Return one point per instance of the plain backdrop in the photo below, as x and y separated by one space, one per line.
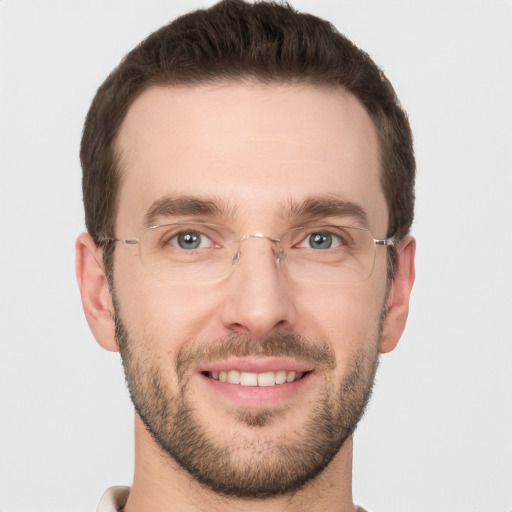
438 434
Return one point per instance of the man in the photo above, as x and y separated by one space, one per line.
248 188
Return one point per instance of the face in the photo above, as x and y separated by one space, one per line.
256 159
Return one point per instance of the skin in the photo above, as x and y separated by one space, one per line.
256 148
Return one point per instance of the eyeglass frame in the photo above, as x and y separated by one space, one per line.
386 242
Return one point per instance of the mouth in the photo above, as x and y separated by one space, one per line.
257 382
264 379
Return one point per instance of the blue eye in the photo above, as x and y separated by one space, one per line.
321 240
190 240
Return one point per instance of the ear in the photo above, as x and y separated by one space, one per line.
397 307
95 293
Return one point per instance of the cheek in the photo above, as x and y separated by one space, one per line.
347 319
165 316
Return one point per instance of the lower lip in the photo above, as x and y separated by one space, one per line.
258 395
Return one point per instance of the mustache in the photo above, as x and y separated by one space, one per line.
275 345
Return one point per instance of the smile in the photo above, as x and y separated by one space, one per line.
265 379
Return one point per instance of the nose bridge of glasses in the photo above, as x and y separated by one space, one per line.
275 242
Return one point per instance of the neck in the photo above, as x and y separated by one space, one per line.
161 485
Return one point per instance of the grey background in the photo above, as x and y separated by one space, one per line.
438 434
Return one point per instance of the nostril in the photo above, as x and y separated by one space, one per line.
238 328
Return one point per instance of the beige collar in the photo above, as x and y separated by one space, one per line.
114 499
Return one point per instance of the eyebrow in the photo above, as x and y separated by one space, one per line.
170 206
314 207
325 206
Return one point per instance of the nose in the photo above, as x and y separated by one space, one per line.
258 297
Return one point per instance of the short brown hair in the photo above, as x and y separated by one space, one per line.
233 41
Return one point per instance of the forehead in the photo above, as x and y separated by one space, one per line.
254 147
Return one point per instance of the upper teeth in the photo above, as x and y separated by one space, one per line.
256 379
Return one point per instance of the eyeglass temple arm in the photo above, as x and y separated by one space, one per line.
131 241
387 241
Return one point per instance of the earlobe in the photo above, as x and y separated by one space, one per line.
397 307
95 293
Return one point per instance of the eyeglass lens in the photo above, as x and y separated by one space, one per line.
188 253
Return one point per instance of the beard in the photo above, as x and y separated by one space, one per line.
258 466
